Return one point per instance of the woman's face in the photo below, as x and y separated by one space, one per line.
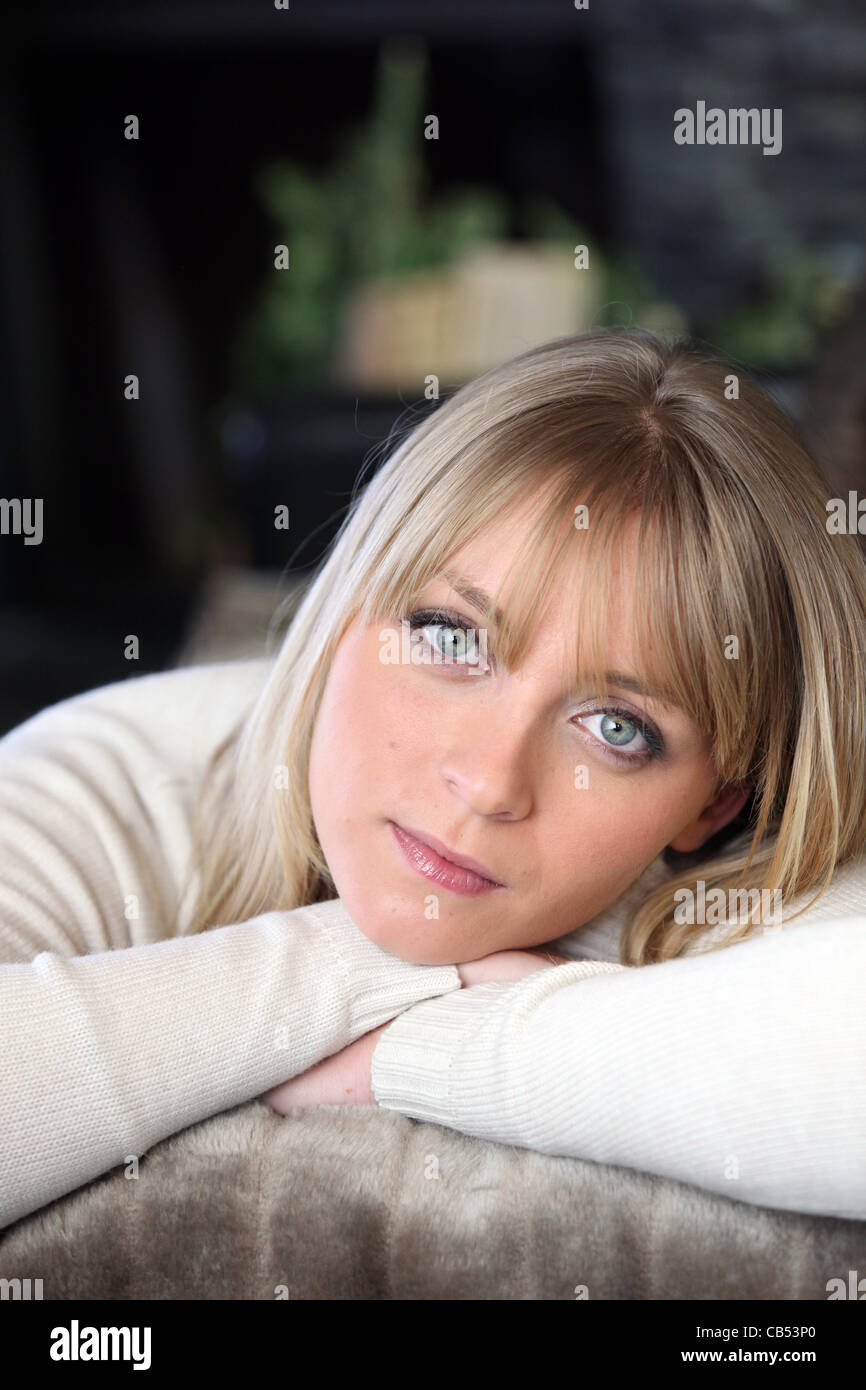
562 798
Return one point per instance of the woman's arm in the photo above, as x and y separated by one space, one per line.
742 1071
117 1030
344 1077
104 1055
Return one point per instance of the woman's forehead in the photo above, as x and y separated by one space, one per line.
491 561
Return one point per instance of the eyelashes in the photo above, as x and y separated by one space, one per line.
654 749
655 746
441 617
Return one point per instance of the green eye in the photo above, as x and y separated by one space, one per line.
448 638
454 642
616 729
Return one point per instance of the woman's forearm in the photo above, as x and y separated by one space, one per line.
740 1071
344 1078
106 1054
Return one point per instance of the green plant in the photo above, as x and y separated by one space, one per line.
369 215
364 217
802 297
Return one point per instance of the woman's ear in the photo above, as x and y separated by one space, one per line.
714 817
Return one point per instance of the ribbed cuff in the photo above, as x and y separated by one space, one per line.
379 984
453 1061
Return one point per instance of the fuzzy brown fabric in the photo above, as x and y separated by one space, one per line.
343 1202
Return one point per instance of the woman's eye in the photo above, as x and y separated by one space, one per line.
447 639
450 642
625 736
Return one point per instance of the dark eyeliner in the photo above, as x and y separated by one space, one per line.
655 742
445 617
429 617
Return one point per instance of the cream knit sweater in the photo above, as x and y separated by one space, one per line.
743 1071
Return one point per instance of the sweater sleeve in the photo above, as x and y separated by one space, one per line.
106 1054
741 1071
116 1028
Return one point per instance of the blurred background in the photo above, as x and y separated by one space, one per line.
244 245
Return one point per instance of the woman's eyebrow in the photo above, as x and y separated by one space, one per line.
662 693
481 600
473 595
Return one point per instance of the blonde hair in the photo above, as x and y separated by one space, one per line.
732 543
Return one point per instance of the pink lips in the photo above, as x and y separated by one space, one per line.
432 859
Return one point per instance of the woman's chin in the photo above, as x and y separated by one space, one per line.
399 933
406 946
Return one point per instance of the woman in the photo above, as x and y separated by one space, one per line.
585 631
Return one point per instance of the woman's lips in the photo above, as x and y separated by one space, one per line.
429 862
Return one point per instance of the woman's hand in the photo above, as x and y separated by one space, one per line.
344 1078
508 965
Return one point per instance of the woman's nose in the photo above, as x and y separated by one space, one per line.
489 763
